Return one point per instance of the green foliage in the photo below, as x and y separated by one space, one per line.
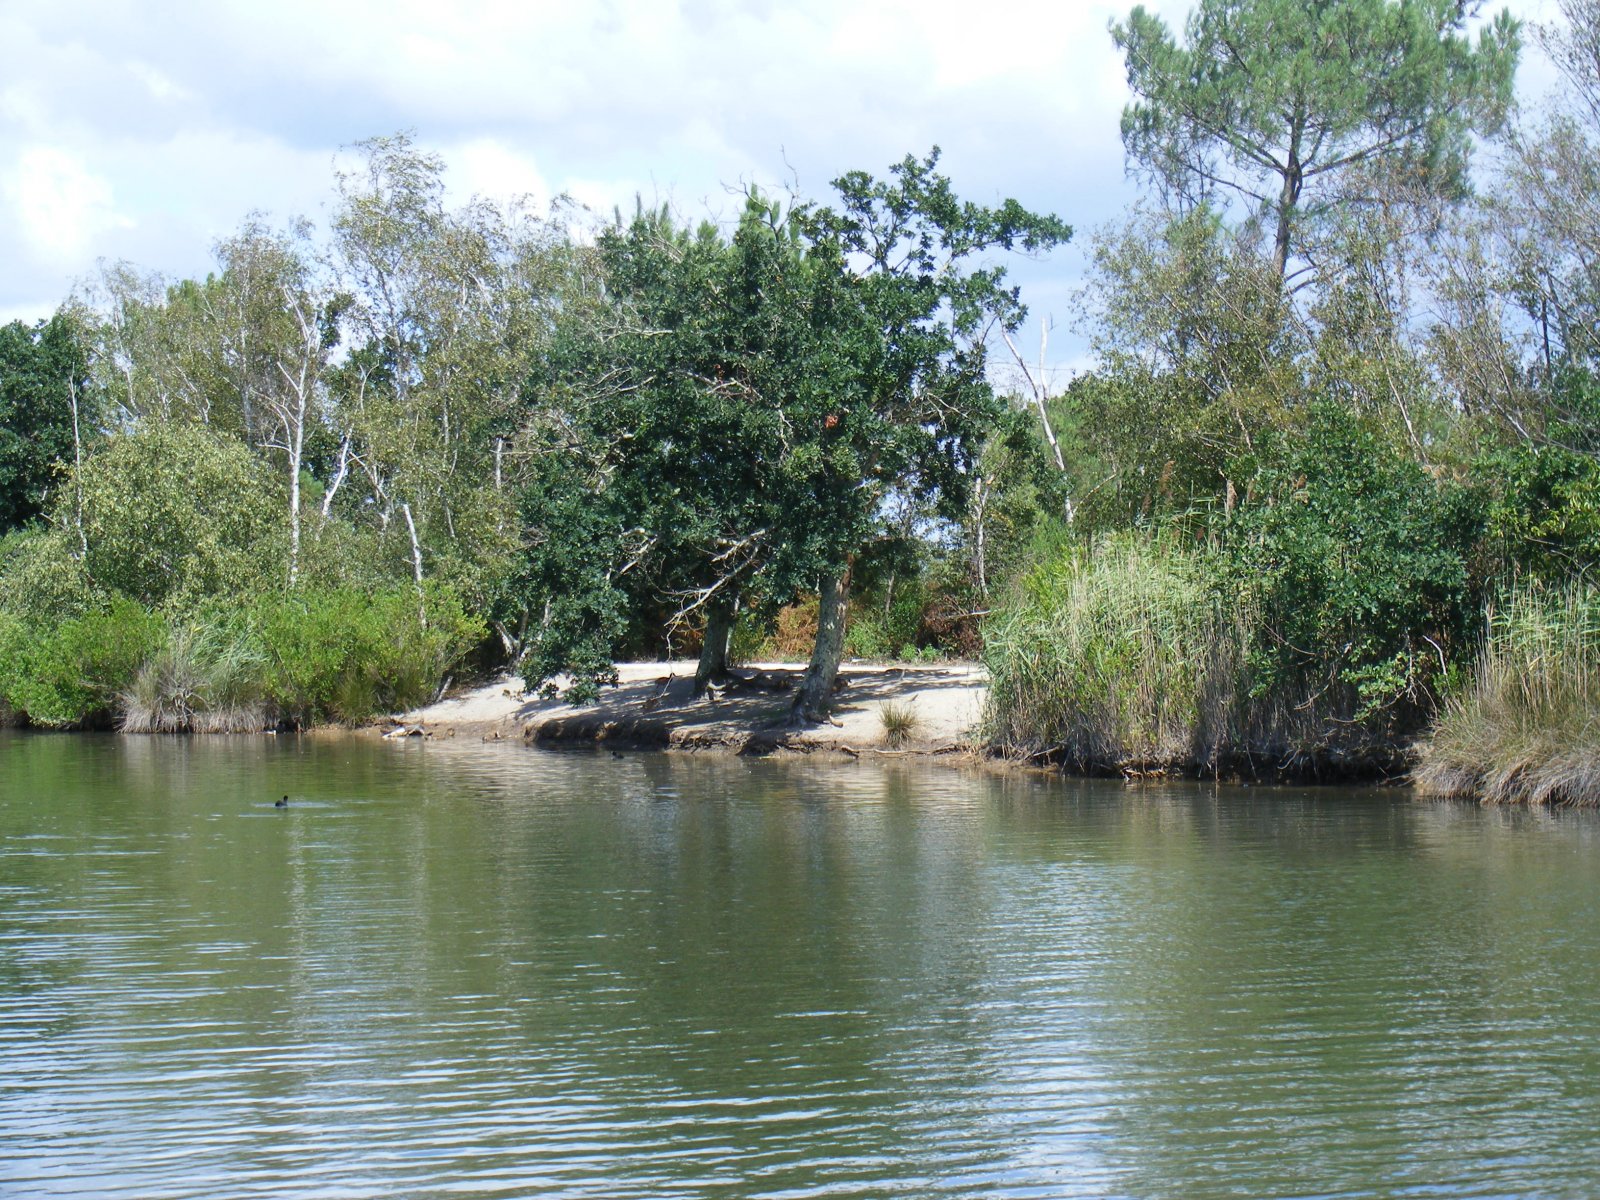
174 514
1200 355
444 314
1359 563
42 577
574 536
1319 622
70 675
741 412
879 629
43 379
1544 516
343 654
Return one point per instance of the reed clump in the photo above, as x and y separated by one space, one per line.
206 679
1526 729
1115 658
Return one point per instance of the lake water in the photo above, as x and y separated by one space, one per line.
462 970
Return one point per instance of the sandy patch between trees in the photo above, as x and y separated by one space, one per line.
655 705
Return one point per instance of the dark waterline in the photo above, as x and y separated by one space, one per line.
452 970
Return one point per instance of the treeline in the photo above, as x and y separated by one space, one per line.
1334 471
1326 501
340 469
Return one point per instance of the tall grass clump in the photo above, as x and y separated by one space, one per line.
206 679
1526 729
1117 657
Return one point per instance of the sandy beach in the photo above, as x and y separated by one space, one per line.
654 705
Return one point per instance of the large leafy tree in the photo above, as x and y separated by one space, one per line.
652 440
46 410
1287 102
682 413
760 400
902 273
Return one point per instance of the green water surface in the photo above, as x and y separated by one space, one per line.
458 970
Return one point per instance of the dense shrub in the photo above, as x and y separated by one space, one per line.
321 655
341 654
70 675
1359 565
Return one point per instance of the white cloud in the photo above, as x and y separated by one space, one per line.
158 136
61 206
158 83
491 169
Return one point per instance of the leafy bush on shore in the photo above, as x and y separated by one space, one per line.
344 655
290 660
1357 566
70 675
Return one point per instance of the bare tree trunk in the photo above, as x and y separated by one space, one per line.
980 546
714 650
416 565
295 456
1040 388
77 475
332 490
812 699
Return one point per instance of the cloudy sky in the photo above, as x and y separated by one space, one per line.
146 129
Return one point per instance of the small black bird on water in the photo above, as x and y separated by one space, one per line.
284 803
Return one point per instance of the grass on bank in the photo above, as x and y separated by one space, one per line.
1138 655
1527 728
901 722
1115 658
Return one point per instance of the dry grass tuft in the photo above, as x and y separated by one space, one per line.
900 722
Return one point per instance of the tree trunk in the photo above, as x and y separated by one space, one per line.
294 513
77 474
416 566
1288 197
815 693
713 666
1280 242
